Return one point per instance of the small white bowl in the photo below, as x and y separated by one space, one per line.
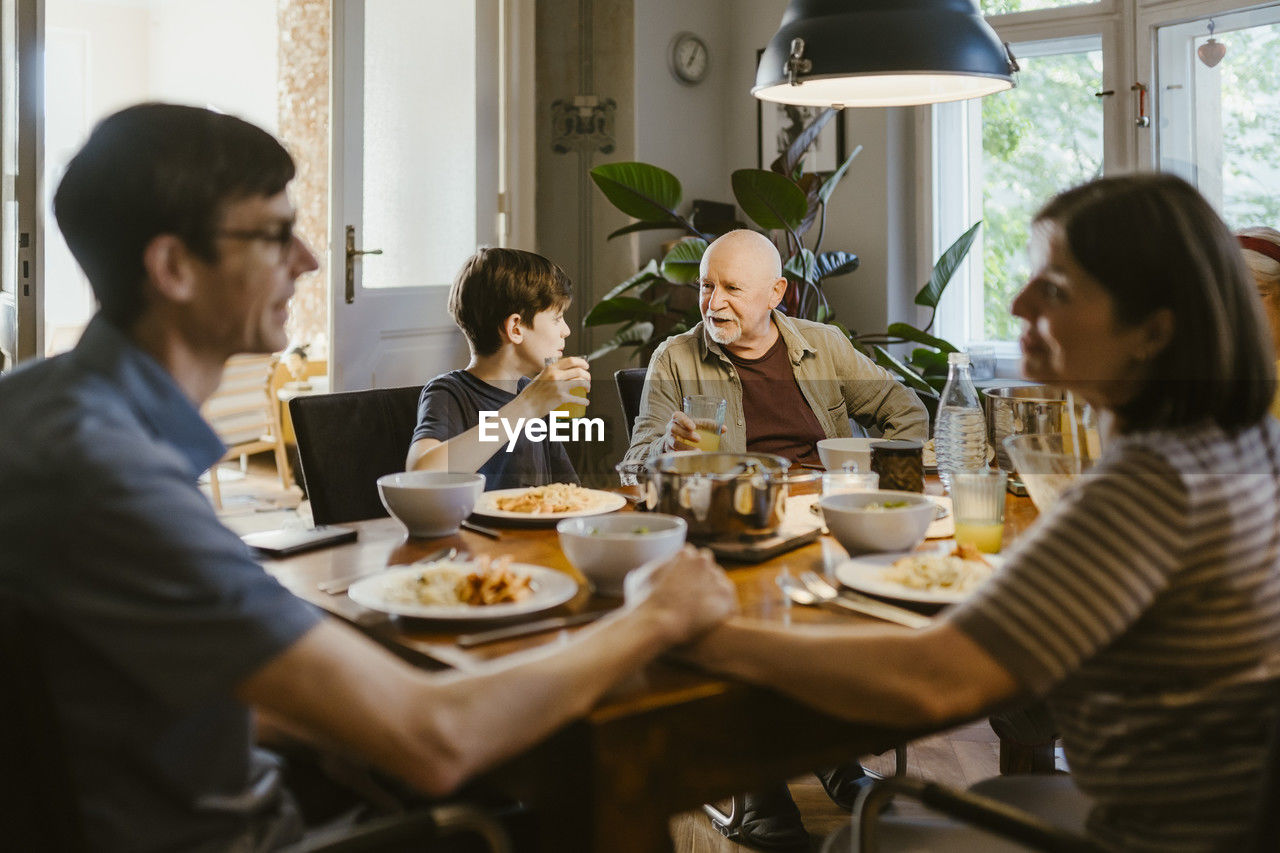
834 452
862 530
606 547
430 503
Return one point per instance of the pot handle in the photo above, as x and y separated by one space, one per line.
795 479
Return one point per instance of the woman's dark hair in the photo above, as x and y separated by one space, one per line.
1153 242
156 169
494 284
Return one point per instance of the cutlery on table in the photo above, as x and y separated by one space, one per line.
816 590
483 531
479 638
337 586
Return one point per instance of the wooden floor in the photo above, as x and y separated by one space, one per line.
959 757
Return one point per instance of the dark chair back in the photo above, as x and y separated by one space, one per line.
38 808
346 441
630 382
1266 831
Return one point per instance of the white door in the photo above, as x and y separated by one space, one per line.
21 147
416 167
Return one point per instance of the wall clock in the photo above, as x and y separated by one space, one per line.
688 58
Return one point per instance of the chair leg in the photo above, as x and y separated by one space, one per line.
214 489
282 466
731 820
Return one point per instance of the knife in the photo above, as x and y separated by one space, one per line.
468 641
881 609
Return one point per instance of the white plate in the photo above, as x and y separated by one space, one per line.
945 527
865 574
602 502
550 588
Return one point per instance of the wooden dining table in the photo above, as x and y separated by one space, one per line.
662 741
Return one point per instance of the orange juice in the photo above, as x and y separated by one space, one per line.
575 410
984 537
708 436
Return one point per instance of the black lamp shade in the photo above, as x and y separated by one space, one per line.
880 53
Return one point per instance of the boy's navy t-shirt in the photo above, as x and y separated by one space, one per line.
451 404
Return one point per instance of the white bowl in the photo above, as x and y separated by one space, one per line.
862 530
606 547
834 452
430 503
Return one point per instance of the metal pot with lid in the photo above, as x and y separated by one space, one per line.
722 496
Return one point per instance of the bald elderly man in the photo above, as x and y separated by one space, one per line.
789 384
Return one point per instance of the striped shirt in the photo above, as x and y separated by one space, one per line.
1145 608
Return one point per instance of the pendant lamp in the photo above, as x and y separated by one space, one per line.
882 53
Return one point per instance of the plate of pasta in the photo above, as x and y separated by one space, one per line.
480 589
546 504
941 576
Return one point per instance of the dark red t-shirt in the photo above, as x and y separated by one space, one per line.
779 419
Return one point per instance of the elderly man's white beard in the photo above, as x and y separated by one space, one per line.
724 335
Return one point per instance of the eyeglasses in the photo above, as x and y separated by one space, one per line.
282 237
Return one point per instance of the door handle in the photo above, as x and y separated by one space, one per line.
352 254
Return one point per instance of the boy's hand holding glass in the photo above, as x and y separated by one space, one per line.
562 385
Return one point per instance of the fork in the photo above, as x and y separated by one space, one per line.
337 586
825 592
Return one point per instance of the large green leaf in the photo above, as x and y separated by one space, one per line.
800 267
929 362
831 264
647 275
913 379
639 189
911 333
829 185
621 309
772 201
636 335
946 267
682 262
645 226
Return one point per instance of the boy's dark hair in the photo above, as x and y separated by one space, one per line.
1152 242
156 169
494 284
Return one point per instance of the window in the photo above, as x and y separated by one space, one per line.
1076 113
1219 124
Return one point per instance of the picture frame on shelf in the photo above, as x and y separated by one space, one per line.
778 124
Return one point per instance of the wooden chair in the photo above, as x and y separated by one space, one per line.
246 416
38 806
346 441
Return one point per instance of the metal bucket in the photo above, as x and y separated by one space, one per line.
1022 410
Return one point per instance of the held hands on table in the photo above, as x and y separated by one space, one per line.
688 593
559 383
682 433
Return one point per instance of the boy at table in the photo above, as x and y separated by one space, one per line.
510 304
165 636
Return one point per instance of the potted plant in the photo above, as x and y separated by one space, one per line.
786 202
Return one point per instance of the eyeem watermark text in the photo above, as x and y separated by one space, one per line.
559 428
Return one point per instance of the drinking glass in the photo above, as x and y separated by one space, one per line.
977 499
574 410
849 479
707 414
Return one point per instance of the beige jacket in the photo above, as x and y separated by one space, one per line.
837 381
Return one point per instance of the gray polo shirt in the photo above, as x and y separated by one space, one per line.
156 610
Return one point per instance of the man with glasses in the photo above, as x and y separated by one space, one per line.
163 632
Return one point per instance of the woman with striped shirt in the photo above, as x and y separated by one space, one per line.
1144 608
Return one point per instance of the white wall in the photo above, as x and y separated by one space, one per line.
216 53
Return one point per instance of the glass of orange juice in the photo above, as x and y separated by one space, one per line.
574 410
977 499
707 414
